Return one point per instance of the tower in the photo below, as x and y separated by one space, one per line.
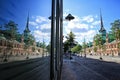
102 30
27 31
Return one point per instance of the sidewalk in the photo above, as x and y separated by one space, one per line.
76 70
67 73
105 58
18 58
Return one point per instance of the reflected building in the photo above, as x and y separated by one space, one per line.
107 47
23 47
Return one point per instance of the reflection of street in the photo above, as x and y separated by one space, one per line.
90 69
33 69
21 57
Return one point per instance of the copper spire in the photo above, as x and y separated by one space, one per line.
101 23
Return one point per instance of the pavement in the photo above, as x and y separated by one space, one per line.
90 68
67 72
106 58
19 58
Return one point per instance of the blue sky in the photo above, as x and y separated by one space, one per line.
86 12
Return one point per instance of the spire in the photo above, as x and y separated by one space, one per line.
101 23
27 24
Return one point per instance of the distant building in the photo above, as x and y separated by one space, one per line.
13 47
108 48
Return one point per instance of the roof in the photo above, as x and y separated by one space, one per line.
102 29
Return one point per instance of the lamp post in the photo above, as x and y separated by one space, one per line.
69 17
43 48
56 39
52 40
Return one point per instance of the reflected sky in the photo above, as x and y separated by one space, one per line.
86 13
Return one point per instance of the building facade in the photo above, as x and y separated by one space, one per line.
14 48
105 47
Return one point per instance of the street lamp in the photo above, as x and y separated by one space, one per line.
43 48
69 17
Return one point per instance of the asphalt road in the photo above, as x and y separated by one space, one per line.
80 68
33 69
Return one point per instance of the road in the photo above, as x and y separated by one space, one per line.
33 69
80 68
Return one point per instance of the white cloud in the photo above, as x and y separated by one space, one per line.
81 27
41 28
40 19
39 35
87 35
33 23
45 26
40 22
88 18
96 23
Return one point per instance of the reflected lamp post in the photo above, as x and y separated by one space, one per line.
69 17
43 48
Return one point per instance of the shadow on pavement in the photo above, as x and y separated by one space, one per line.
95 69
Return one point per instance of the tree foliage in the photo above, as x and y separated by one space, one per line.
76 49
98 40
95 49
115 29
70 42
48 48
41 44
11 29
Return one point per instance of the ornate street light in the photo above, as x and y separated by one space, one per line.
69 17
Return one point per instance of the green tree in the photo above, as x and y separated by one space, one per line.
98 40
41 44
70 42
84 46
48 48
18 36
11 29
116 28
29 41
77 48
95 49
111 36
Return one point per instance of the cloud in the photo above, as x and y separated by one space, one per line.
33 23
40 19
45 26
39 35
41 27
88 18
96 22
82 27
87 35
